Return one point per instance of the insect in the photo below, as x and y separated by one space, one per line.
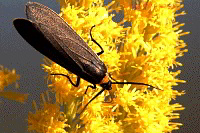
48 33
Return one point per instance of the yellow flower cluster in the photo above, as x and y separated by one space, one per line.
142 52
8 77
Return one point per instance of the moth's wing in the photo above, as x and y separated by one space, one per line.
44 40
69 41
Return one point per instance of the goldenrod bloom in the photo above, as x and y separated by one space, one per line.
142 52
8 77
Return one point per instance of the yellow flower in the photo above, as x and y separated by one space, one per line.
8 77
48 118
142 52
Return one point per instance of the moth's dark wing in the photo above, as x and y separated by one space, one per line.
37 37
67 41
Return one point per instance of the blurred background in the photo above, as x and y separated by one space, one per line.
16 53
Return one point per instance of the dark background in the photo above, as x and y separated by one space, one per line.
16 53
